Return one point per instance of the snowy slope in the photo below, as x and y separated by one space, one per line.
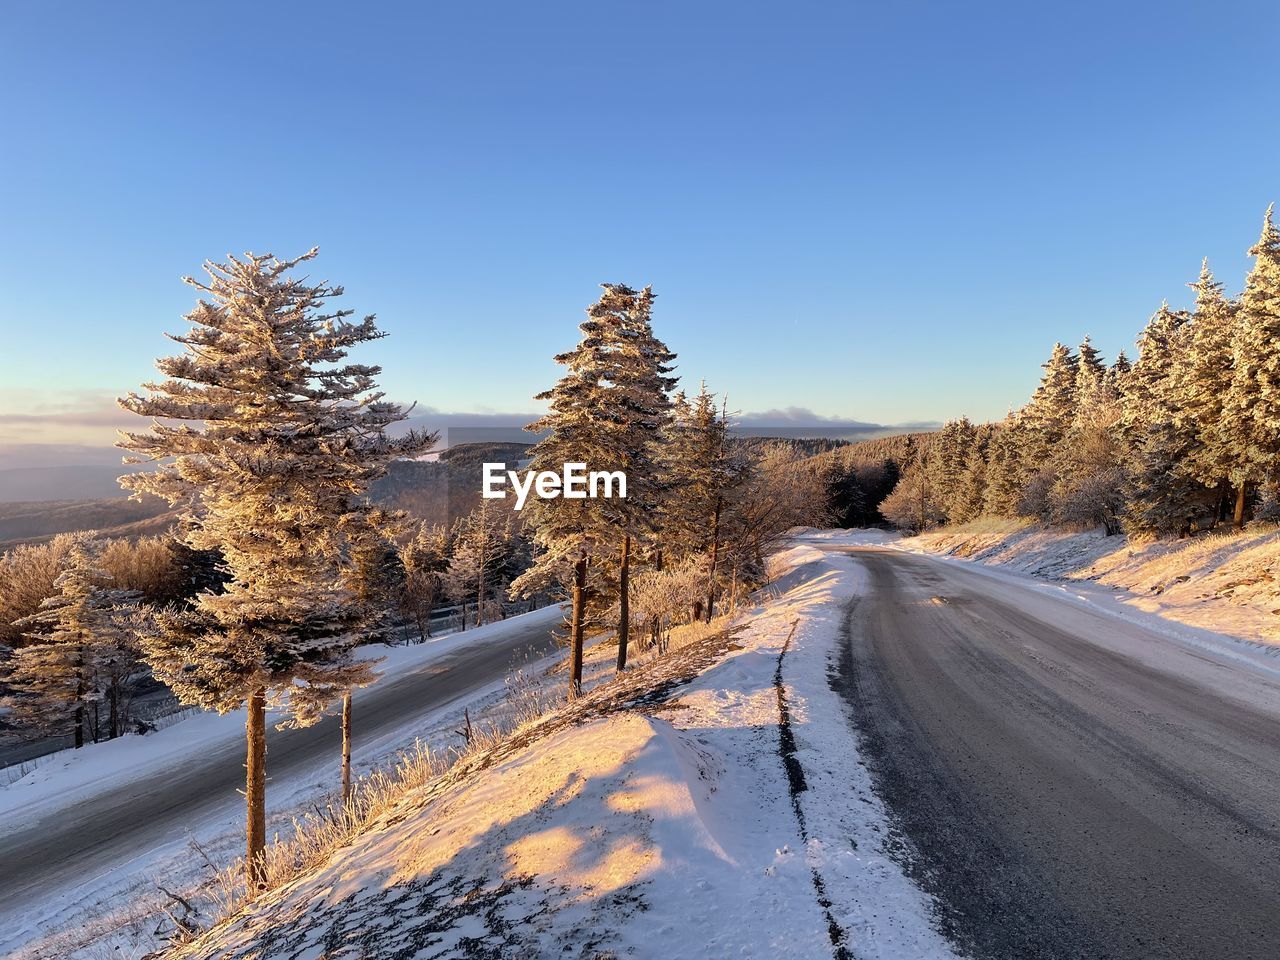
710 803
1213 593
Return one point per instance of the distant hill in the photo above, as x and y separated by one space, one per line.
440 491
900 448
437 490
804 446
471 456
37 520
75 482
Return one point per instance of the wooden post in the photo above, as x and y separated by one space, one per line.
577 625
255 790
655 625
624 602
80 691
484 536
715 552
346 747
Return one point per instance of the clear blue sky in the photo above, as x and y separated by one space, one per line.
884 212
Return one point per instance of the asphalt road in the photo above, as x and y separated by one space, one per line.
1068 785
54 851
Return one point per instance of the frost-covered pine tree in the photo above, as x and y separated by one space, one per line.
692 438
640 409
1149 382
1088 468
1201 379
81 650
1004 473
372 571
607 412
425 561
571 533
1251 409
700 472
1118 374
1091 374
477 557
1162 499
372 577
1044 422
949 464
269 439
971 493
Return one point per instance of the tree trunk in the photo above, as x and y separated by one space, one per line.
79 735
576 630
655 626
715 552
733 588
624 602
346 747
255 790
480 577
1238 518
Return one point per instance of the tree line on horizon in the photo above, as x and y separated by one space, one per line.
1184 438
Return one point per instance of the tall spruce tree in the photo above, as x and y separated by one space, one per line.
425 561
1044 421
373 577
701 471
606 412
1118 374
473 569
1004 473
1091 374
1251 409
641 381
1162 499
1201 378
950 463
276 440
1088 468
971 494
82 646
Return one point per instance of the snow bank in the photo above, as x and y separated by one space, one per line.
1215 590
660 816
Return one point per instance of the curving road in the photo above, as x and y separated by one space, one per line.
1070 786
50 853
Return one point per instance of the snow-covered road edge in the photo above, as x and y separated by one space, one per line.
1111 601
882 913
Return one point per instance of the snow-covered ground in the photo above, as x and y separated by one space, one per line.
113 913
710 803
1218 591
